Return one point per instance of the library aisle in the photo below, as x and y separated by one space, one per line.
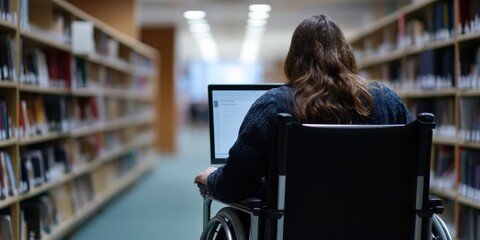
164 204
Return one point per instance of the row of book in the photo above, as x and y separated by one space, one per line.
93 76
40 114
45 67
435 23
7 128
469 223
49 162
89 148
444 110
7 58
469 21
38 217
6 229
469 68
88 75
469 185
52 68
42 164
39 164
112 171
429 70
7 176
43 113
41 215
443 175
435 69
6 12
469 119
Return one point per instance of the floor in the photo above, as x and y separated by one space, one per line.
164 204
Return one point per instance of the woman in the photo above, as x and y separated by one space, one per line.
323 87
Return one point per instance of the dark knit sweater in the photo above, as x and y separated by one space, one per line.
241 176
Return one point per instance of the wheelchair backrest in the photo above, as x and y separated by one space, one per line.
350 182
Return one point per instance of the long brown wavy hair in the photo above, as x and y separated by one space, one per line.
322 71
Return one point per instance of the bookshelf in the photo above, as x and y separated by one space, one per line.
76 115
429 52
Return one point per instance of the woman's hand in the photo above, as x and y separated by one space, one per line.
203 176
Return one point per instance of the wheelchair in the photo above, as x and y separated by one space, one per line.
339 182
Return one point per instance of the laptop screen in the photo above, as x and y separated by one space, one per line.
228 105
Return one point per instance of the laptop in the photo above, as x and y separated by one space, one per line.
227 106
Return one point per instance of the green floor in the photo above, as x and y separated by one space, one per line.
165 204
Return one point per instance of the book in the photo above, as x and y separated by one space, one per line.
33 212
59 67
469 223
82 191
35 157
6 232
5 119
56 110
23 226
443 171
82 37
24 9
80 74
50 217
27 175
6 179
469 174
13 191
7 69
469 119
62 198
39 114
55 162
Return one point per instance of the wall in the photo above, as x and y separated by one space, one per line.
163 39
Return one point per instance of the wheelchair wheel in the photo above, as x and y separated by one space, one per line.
226 225
439 229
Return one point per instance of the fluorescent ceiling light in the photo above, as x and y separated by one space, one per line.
260 8
256 22
196 28
258 15
197 21
194 15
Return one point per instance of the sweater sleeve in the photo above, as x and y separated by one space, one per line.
388 106
241 176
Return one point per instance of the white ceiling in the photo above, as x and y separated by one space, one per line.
227 19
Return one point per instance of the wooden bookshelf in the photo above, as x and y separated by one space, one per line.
75 121
429 52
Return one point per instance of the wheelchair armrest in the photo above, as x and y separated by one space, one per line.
436 205
252 204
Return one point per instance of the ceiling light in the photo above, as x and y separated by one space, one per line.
199 28
194 15
258 15
260 8
197 21
257 22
